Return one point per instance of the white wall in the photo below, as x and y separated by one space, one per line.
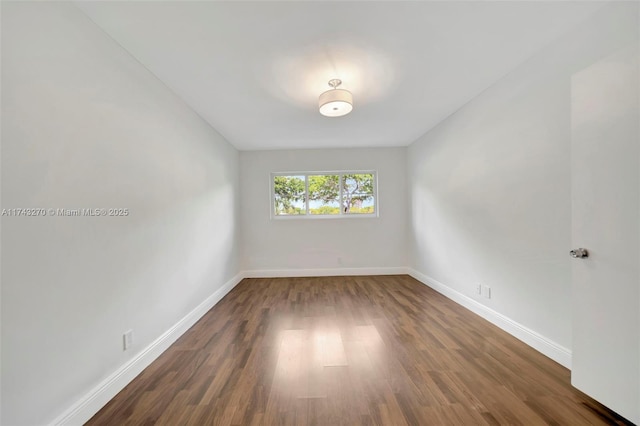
84 125
280 245
490 186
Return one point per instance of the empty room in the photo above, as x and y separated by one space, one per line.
320 213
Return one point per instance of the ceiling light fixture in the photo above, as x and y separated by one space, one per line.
335 102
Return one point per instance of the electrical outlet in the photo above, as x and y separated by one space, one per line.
486 291
127 339
478 289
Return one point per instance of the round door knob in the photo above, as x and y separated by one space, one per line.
579 253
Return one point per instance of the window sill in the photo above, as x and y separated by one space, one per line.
323 217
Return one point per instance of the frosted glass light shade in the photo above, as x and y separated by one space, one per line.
335 103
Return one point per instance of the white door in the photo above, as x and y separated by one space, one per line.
606 222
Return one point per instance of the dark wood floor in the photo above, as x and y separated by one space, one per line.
378 350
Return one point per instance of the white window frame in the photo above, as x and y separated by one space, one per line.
307 215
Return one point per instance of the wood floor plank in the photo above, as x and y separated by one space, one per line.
376 350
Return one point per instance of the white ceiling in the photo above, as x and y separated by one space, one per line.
254 70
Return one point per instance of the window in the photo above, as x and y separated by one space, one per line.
322 194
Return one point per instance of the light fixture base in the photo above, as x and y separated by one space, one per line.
335 82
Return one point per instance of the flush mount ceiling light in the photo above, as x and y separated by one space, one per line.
335 102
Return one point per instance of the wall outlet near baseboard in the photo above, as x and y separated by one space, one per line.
486 291
478 289
127 339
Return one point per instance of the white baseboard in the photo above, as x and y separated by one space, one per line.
547 347
324 272
94 400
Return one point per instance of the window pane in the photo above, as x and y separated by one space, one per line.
289 195
324 194
357 194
